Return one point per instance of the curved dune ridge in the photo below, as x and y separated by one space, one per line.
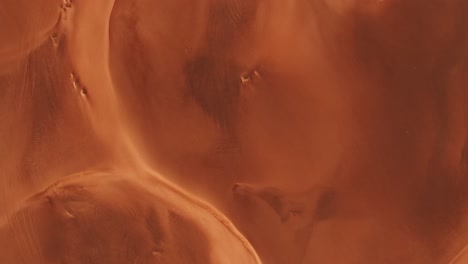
233 131
105 218
89 216
461 257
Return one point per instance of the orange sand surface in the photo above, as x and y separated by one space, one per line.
234 131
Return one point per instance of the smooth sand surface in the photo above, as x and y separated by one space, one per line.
95 217
233 131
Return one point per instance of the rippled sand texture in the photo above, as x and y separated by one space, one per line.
233 131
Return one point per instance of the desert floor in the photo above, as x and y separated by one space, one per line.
234 131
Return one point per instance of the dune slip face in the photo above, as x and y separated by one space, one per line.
233 131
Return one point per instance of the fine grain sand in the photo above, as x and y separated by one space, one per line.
233 131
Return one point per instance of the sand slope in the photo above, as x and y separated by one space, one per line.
94 217
322 131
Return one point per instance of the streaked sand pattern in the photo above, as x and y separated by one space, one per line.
233 131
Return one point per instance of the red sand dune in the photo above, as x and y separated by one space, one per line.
233 131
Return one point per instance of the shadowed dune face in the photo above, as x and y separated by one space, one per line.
225 91
327 131
362 97
228 86
286 88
